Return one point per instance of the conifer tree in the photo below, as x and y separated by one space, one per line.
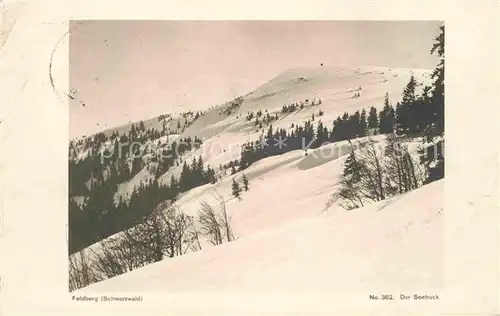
406 116
200 171
433 153
245 182
184 177
362 124
350 192
173 182
438 86
355 125
373 118
269 134
337 133
387 117
409 96
235 187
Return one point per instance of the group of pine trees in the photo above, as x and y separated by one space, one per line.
102 214
232 106
361 124
264 119
236 189
276 142
345 127
95 209
415 115
261 118
374 174
294 106
194 175
105 213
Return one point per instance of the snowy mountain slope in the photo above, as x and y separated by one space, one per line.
334 86
397 243
288 189
223 134
283 189
274 182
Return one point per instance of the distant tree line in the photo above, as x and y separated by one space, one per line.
306 136
96 210
231 106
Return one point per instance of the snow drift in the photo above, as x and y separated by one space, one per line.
396 242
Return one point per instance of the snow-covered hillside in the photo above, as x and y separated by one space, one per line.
395 242
336 87
223 132
289 221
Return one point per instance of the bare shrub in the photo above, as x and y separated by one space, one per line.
374 174
372 177
215 224
210 224
403 172
165 233
81 272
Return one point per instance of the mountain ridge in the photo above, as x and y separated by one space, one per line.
283 77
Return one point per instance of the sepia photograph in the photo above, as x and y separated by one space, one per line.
256 156
249 158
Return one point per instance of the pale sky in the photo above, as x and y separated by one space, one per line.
131 70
